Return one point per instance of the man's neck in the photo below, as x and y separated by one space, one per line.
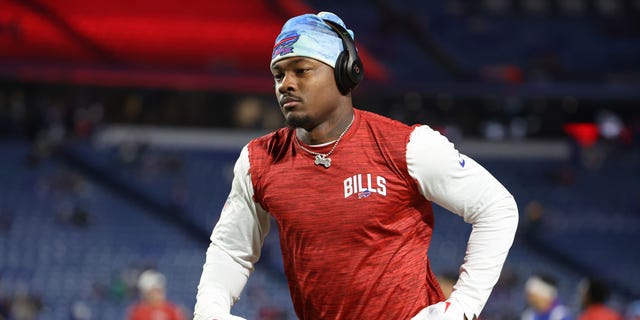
329 130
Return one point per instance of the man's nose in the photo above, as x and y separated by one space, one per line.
288 83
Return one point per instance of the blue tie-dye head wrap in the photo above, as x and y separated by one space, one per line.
308 36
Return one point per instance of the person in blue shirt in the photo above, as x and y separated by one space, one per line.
542 297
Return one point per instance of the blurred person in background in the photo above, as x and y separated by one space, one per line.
23 304
633 311
542 297
351 192
153 304
593 298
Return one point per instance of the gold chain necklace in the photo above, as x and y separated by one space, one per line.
323 158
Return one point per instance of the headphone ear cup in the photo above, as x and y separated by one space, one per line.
340 71
355 71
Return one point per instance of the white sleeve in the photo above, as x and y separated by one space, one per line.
462 186
235 246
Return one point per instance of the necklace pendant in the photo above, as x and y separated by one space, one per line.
322 160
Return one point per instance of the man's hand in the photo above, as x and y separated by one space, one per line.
440 311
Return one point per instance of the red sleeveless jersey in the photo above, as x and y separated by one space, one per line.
354 236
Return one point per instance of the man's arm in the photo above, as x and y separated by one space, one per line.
235 246
462 186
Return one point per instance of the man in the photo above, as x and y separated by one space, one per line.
594 294
351 192
542 296
154 304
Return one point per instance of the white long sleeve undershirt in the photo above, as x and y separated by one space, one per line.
462 186
236 242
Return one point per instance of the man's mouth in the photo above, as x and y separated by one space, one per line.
289 102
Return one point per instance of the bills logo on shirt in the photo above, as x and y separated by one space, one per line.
364 185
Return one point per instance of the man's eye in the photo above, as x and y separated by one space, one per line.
278 77
302 70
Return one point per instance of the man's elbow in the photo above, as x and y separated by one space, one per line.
511 215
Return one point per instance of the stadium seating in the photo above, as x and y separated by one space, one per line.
545 45
90 262
95 262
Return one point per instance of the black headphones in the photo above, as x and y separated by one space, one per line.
348 70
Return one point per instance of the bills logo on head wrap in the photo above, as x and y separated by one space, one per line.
285 46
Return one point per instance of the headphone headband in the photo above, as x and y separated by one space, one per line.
348 69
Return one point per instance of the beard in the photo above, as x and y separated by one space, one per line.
297 122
